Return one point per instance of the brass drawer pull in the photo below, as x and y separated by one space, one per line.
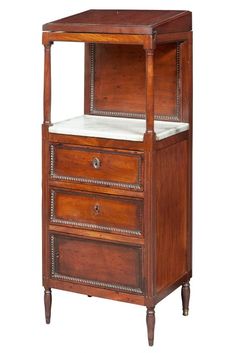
96 163
96 209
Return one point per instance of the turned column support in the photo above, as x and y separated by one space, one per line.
47 84
150 198
185 294
47 304
149 90
149 180
150 194
150 319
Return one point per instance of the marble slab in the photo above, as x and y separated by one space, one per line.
115 128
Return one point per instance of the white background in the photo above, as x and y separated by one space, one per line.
81 324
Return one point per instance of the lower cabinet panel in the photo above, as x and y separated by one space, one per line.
97 263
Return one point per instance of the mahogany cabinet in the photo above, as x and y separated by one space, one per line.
117 180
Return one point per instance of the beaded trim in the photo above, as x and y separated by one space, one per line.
178 80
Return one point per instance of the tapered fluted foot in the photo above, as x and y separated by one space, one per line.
47 304
185 294
150 318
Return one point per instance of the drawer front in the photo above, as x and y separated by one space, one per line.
99 167
97 263
96 212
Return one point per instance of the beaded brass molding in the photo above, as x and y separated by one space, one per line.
96 227
58 276
95 111
137 186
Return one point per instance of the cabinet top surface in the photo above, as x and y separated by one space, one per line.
121 21
115 128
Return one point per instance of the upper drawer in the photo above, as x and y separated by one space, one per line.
99 167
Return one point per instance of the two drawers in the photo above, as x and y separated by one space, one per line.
92 210
89 261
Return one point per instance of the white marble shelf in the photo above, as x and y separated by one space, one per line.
115 128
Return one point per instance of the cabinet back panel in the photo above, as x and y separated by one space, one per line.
117 80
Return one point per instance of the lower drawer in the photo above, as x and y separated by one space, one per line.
96 263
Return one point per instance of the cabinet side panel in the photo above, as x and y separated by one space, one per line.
172 234
180 24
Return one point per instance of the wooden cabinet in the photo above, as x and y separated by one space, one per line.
117 180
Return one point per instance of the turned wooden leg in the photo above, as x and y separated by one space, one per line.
47 304
150 318
185 294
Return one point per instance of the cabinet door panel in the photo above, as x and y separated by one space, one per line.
97 263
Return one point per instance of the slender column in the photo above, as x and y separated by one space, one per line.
150 318
47 84
149 90
150 198
47 304
149 184
45 172
185 294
